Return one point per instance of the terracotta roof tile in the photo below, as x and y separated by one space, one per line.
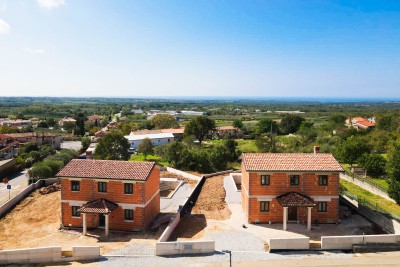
290 162
100 205
293 199
107 169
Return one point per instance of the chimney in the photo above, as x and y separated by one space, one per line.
316 149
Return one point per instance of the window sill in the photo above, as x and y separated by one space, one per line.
76 217
75 191
264 211
129 221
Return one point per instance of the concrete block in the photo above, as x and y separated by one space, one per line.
85 252
297 243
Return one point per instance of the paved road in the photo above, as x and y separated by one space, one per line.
18 182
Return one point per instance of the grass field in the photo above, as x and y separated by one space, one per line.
363 194
247 146
140 157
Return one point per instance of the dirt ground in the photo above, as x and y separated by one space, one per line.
36 220
190 227
179 177
211 201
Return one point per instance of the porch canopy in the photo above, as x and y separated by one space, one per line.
98 206
293 199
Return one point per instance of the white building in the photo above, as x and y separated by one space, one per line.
156 139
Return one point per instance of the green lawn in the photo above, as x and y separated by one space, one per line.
363 194
247 146
381 182
140 157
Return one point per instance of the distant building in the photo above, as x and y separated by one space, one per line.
15 123
360 123
66 120
229 131
41 138
156 139
116 195
95 119
8 147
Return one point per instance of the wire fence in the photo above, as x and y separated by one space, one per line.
369 204
371 182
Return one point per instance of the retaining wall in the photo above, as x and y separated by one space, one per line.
217 173
184 174
296 243
388 224
170 228
366 186
184 247
47 255
6 207
347 242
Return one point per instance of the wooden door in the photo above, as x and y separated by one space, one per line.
292 216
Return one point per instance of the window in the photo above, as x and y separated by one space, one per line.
129 215
75 212
264 206
322 206
102 187
128 189
264 179
323 180
294 179
75 186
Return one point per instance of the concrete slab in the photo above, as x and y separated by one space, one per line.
171 205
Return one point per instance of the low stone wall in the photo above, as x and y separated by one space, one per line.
296 243
47 255
31 255
184 174
170 228
388 224
6 207
347 242
184 247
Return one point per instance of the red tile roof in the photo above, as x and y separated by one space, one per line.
226 128
283 162
293 199
174 130
4 136
107 169
100 205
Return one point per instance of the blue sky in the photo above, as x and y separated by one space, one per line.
200 48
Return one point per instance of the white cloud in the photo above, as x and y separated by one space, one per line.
4 27
33 51
50 4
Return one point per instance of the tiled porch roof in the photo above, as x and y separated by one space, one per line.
100 205
293 199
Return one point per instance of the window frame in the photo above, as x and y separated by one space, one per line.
128 192
267 181
128 214
322 206
100 186
264 207
294 176
74 211
78 186
322 178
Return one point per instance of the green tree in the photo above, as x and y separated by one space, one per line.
174 153
200 127
80 123
393 171
69 126
146 147
31 146
351 150
290 123
231 148
114 146
51 122
266 143
85 142
54 165
307 132
164 121
374 163
40 171
237 123
43 124
266 126
7 129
